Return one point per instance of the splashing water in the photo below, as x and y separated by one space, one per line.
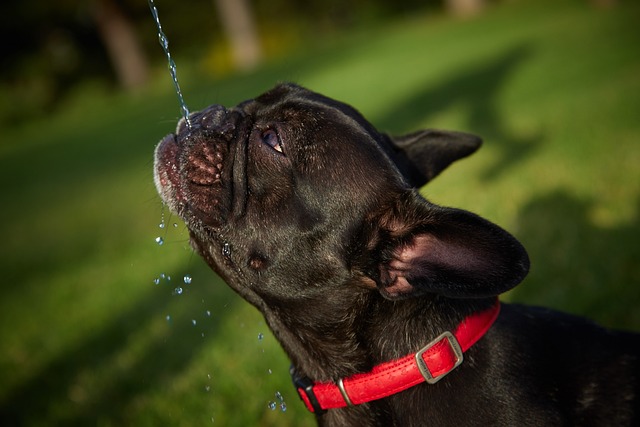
160 278
164 42
273 405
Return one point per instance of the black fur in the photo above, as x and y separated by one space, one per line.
312 216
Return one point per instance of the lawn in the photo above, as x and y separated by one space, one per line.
89 338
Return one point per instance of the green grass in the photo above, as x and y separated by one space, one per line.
553 87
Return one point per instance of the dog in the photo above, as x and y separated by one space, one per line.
385 303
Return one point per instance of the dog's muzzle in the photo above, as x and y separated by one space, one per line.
193 166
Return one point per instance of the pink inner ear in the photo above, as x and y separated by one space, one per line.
421 246
457 255
423 253
399 286
395 273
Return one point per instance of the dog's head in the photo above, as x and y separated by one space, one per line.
293 195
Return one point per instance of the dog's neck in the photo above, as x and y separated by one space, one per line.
321 340
361 329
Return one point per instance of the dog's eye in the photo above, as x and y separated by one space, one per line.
272 139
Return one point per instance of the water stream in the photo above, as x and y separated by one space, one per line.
164 42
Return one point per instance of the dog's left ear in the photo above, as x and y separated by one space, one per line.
421 248
422 155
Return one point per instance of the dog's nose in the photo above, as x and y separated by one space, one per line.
212 117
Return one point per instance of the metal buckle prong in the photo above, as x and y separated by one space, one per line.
422 366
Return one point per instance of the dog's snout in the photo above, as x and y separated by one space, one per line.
212 117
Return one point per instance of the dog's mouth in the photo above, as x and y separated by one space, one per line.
193 168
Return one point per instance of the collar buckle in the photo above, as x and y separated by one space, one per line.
422 365
304 386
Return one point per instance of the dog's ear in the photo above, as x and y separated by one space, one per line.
421 248
422 155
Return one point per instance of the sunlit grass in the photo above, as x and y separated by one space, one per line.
88 338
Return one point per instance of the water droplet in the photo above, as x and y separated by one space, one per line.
162 275
193 322
187 279
208 313
168 318
226 250
168 278
156 281
159 241
202 335
161 225
270 371
260 336
178 291
207 388
272 406
283 407
175 225
279 396
163 41
209 376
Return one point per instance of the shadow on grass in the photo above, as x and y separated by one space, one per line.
578 265
478 89
57 394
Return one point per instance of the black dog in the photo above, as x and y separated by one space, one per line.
312 216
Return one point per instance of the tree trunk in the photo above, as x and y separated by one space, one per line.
465 8
240 29
119 37
604 4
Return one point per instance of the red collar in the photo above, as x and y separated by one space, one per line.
430 364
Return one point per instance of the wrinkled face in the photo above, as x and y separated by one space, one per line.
275 190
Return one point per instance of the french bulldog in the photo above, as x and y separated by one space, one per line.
385 303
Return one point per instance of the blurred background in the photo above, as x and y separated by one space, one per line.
101 325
